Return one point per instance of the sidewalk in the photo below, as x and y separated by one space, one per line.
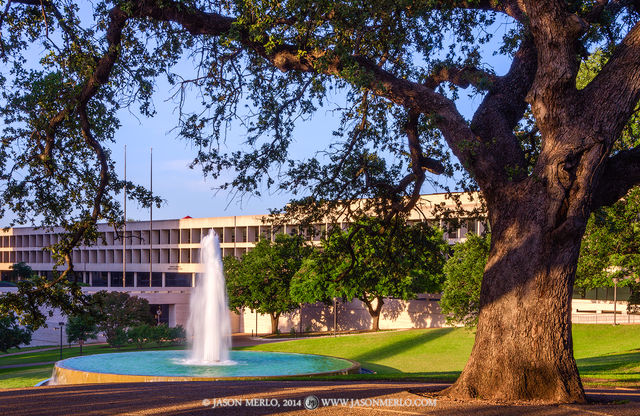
265 397
3 367
29 351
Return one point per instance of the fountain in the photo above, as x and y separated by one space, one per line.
209 326
210 357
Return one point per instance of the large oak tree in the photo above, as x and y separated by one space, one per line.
539 149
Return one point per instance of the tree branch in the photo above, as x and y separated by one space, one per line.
462 77
620 174
501 110
613 95
555 31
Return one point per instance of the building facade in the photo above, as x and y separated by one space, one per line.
161 260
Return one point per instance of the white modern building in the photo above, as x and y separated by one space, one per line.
160 262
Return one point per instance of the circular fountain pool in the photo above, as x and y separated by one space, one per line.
170 366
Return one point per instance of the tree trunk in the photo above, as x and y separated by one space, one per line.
375 322
274 322
523 348
374 312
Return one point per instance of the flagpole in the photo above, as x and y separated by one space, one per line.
124 233
151 220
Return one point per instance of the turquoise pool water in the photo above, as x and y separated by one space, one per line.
173 363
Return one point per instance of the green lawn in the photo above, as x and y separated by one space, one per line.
24 377
602 351
443 351
605 354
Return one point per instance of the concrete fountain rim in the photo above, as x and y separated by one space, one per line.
65 375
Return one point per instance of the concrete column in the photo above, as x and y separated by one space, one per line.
172 315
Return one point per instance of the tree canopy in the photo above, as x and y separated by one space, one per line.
260 280
115 312
544 152
81 328
11 334
373 261
612 239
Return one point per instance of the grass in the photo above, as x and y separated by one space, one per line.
24 377
442 350
606 355
414 353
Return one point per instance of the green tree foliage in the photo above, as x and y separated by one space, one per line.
261 279
21 271
612 239
372 261
115 312
36 294
81 328
11 334
144 334
140 334
463 271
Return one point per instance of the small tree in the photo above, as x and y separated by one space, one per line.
371 262
11 334
117 311
21 271
177 334
81 328
261 279
463 271
140 334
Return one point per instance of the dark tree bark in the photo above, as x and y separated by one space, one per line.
523 348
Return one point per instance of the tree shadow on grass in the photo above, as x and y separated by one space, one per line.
401 346
611 365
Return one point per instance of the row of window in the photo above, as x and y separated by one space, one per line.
248 234
134 279
114 256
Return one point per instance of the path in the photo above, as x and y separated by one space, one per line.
284 397
2 367
29 351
